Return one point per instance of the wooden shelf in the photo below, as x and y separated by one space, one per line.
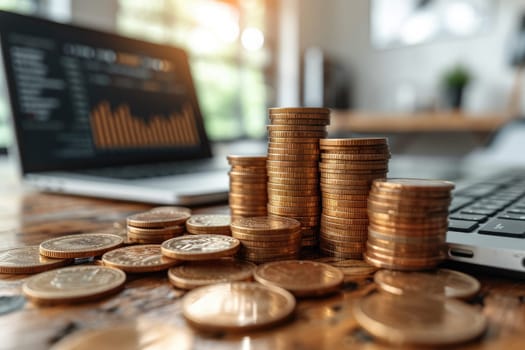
365 122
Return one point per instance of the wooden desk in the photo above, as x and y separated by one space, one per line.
27 218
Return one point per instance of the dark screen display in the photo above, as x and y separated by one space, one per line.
85 98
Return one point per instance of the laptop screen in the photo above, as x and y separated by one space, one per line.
82 98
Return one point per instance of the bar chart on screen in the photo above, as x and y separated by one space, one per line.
119 128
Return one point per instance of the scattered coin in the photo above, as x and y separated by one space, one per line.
171 210
200 247
419 319
28 260
302 278
442 282
129 335
209 224
195 274
351 268
140 258
158 219
238 306
73 284
80 246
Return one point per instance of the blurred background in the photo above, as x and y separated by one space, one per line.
441 78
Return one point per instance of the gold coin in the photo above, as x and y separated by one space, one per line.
406 239
343 203
246 160
196 274
419 319
297 134
296 173
266 225
314 146
293 211
299 110
272 156
408 232
136 259
260 237
263 260
280 120
149 232
356 150
441 282
237 306
142 334
208 223
303 278
343 236
399 263
314 128
27 260
406 251
170 210
350 267
73 284
354 141
80 245
415 185
355 157
157 219
200 247
340 255
403 220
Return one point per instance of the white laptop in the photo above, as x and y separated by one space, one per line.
101 115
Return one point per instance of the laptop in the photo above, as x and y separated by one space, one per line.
101 115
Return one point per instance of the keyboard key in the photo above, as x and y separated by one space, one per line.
502 227
511 216
459 202
515 210
478 190
469 217
477 211
462 225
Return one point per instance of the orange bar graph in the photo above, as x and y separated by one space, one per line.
118 128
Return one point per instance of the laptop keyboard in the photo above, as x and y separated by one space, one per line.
144 171
490 207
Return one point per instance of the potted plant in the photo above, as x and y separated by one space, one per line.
454 82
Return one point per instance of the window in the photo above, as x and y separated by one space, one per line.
226 43
23 6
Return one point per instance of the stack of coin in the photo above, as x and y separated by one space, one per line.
408 223
248 193
156 226
293 166
270 238
348 167
209 224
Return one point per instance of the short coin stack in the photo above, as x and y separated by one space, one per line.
209 224
348 167
408 223
265 239
156 226
248 193
293 169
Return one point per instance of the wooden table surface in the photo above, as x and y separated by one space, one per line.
27 218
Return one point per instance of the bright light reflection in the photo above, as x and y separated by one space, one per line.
460 18
252 39
419 28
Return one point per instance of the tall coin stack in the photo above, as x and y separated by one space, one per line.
348 167
408 223
293 166
248 192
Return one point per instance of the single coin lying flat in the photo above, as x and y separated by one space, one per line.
300 277
200 247
209 224
28 260
73 284
138 258
238 306
193 274
419 319
442 282
80 246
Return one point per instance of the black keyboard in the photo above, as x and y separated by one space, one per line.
490 207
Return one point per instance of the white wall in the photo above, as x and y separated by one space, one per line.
341 29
